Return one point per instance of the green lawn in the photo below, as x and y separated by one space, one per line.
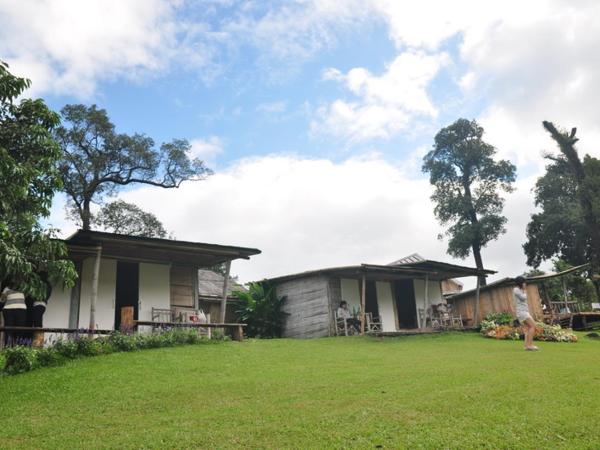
441 391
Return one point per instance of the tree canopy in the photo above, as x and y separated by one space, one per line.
467 182
28 180
126 218
97 160
568 225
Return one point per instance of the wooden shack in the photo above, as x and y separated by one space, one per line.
497 297
399 293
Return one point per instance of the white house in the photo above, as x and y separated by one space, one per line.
118 270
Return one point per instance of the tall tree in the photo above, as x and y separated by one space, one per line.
579 237
467 182
28 180
97 160
126 218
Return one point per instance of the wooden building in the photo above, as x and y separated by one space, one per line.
497 297
210 294
399 293
118 270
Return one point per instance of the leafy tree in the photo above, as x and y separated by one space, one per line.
260 308
28 180
97 160
568 225
126 218
467 182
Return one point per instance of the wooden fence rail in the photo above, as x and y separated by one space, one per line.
237 328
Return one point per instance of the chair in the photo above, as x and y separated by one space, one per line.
373 323
341 326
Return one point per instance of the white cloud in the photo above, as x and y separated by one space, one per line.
276 107
312 213
385 104
206 149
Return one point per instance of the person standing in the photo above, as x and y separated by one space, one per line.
522 309
14 312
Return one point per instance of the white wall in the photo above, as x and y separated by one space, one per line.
350 293
57 311
105 304
386 305
154 289
435 294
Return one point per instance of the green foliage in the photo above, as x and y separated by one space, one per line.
126 218
28 180
579 287
260 309
467 181
19 359
500 318
568 195
97 160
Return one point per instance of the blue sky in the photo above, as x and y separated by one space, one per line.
315 114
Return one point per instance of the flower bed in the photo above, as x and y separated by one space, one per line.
21 359
554 333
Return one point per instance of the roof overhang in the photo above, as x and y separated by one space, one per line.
436 271
124 247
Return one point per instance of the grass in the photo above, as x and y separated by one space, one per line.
442 391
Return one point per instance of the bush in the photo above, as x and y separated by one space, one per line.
500 318
49 357
23 359
543 332
19 359
260 309
67 348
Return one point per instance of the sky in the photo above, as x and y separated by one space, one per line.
315 114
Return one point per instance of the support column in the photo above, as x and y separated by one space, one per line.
75 297
225 288
566 296
94 296
426 298
363 301
476 318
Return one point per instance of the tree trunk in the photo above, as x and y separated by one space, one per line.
476 246
479 264
86 215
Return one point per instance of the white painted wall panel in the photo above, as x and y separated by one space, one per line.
351 293
435 294
105 304
57 312
385 304
154 289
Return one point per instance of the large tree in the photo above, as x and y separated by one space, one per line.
28 180
568 225
126 218
467 181
97 160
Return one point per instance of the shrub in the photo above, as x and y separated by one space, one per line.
49 357
260 309
67 348
19 359
500 318
22 359
543 332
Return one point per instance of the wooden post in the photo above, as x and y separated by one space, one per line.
564 286
127 320
75 298
426 298
238 334
94 296
225 288
363 301
476 315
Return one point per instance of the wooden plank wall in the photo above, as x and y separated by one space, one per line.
307 306
335 297
182 286
498 299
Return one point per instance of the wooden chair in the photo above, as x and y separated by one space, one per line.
373 324
341 326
